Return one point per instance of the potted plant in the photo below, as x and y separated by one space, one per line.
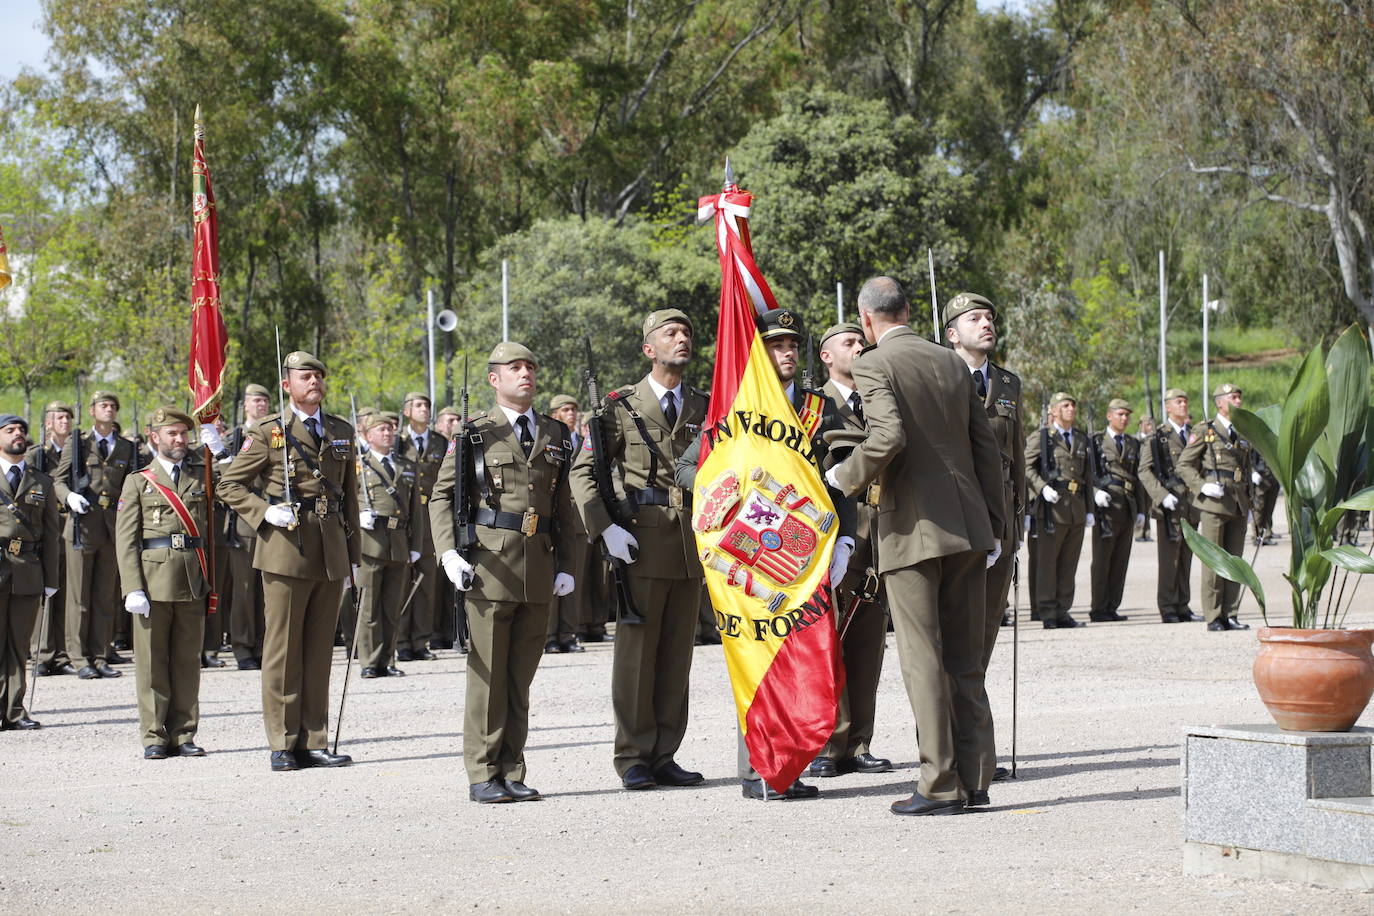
1313 675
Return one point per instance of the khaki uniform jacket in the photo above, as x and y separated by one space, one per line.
163 573
102 492
865 514
327 544
667 547
931 449
1210 457
1154 479
400 523
1123 468
1003 404
1070 475
29 555
244 530
45 458
510 566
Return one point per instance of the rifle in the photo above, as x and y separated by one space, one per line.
1044 464
808 374
285 459
1102 478
462 511
77 482
1163 469
601 473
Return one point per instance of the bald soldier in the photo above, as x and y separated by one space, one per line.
162 539
307 548
246 622
1172 504
513 493
646 427
1117 496
424 448
1057 472
29 545
50 639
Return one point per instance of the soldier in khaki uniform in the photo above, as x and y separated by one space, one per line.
446 597
392 532
304 551
49 634
566 614
646 427
1172 503
161 537
92 566
1057 472
1117 496
1217 467
425 449
245 583
29 548
516 499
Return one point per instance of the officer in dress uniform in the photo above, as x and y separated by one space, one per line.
514 494
162 540
245 603
424 448
50 639
29 546
1172 503
1117 498
1057 471
305 548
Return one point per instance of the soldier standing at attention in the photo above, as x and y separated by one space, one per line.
304 551
424 448
1057 471
245 582
106 458
50 640
1216 465
445 610
566 613
514 494
29 546
1117 496
1172 503
162 539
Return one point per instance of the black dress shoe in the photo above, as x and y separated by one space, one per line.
598 637
322 758
865 763
551 647
405 655
756 788
122 643
155 752
1006 619
1168 618
1235 624
114 658
1067 623
670 774
393 671
491 792
638 777
368 673
423 655
918 805
1050 623
571 646
823 768
26 724
250 664
209 661
282 761
88 673
1106 616
338 640
1187 615
977 798
64 668
41 669
1218 625
105 670
1000 774
190 749
521 792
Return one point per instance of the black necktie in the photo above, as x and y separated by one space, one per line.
526 440
670 409
104 448
856 404
314 426
1068 440
419 445
982 383
1120 444
176 474
14 479
1183 435
386 466
1232 436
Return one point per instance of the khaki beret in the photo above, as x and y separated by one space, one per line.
1062 396
415 396
376 417
967 302
365 412
837 329
781 323
105 396
1175 393
449 412
168 416
256 391
1225 388
59 407
659 318
1120 404
561 400
10 419
508 351
303 360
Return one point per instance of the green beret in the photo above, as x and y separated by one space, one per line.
59 407
781 323
837 329
168 416
415 396
659 318
256 391
1120 404
1175 393
1225 388
303 360
1062 396
561 400
449 412
105 396
967 302
508 351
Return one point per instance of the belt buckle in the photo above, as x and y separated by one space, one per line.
1073 486
15 545
529 523
675 497
322 507
1239 476
178 542
103 501
874 493
393 523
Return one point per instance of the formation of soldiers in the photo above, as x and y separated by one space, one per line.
515 533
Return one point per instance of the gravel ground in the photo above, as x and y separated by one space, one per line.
1092 823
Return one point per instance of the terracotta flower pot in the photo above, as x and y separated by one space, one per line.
1315 680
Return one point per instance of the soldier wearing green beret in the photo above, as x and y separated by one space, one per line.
246 621
1117 496
1218 467
101 459
305 549
162 539
424 448
1057 473
514 493
50 639
1172 503
647 426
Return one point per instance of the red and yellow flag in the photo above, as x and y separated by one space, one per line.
765 526
205 375
5 278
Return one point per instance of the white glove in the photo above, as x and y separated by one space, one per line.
1170 502
49 591
1102 498
348 583
78 504
368 519
1089 520
620 544
1255 478
280 516
1049 494
137 603
210 438
1026 525
563 585
839 560
458 570
415 556
832 475
994 554
1140 518
1213 489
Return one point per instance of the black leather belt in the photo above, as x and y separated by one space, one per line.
661 496
18 547
529 523
176 542
389 523
319 506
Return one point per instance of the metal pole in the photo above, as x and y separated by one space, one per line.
934 303
429 340
505 299
1205 354
839 302
1163 327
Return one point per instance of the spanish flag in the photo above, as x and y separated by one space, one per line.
5 278
765 526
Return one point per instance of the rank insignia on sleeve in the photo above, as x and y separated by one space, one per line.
247 443
452 446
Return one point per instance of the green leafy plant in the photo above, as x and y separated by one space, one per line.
1317 444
